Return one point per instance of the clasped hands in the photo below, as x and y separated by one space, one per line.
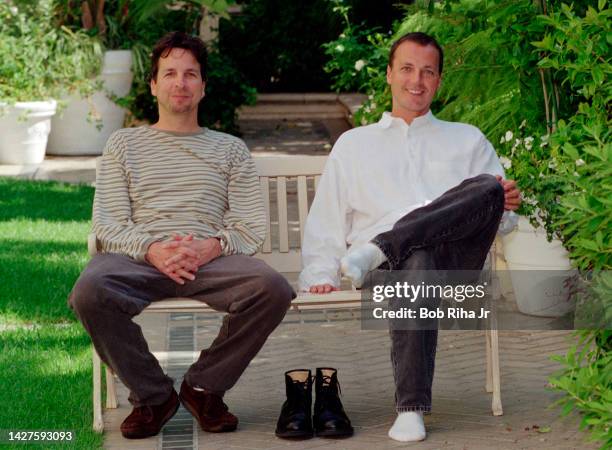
180 257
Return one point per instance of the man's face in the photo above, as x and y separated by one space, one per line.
178 86
414 79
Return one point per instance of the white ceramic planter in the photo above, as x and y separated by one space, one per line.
538 269
71 133
24 129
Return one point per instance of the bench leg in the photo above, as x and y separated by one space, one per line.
98 422
111 390
496 404
489 373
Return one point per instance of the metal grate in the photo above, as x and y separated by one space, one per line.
181 432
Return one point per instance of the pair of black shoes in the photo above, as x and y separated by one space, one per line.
329 418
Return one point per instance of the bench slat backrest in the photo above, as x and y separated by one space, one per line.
288 183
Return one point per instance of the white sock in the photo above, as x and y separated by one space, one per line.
359 261
408 427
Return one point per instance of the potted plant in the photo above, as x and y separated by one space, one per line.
88 120
38 64
538 262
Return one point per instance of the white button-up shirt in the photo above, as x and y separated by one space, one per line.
378 173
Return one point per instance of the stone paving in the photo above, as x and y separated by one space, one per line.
461 417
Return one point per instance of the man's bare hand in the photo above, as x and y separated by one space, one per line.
191 251
322 289
158 254
512 195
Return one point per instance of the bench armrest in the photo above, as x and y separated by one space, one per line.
92 244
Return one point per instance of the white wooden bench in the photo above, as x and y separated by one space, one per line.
288 184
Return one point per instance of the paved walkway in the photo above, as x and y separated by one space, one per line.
461 417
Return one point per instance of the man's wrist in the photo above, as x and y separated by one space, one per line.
219 246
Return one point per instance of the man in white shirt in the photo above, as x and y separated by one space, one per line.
410 192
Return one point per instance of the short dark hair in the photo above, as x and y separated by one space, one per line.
178 39
418 38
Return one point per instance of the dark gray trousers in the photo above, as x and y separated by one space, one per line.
454 232
114 288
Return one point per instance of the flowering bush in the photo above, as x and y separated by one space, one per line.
356 56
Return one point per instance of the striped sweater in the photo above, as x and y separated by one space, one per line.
151 184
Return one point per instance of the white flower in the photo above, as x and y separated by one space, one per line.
359 64
373 105
544 140
530 200
517 142
371 97
523 123
364 121
502 140
576 174
339 48
580 162
509 136
552 164
505 162
342 35
528 142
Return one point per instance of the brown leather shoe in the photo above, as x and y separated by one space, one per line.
145 421
208 409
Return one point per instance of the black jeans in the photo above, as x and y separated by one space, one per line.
454 232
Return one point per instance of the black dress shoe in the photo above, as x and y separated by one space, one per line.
329 417
295 417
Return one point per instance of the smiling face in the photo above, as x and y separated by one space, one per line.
178 85
414 79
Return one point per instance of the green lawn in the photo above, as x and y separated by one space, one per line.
45 358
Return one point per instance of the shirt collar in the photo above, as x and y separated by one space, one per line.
387 120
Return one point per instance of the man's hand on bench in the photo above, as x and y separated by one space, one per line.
322 289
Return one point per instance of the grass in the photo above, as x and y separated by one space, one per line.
45 357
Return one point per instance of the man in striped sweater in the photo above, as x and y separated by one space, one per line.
177 212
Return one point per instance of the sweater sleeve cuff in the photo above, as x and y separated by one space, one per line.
142 249
225 248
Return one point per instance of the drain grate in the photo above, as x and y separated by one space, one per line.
180 432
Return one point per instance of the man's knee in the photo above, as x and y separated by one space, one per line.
487 184
278 292
86 298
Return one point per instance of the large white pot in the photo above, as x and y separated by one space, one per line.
538 269
24 129
71 133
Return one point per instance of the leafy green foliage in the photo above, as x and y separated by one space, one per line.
39 61
356 55
587 383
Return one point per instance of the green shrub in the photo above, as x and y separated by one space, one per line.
39 61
